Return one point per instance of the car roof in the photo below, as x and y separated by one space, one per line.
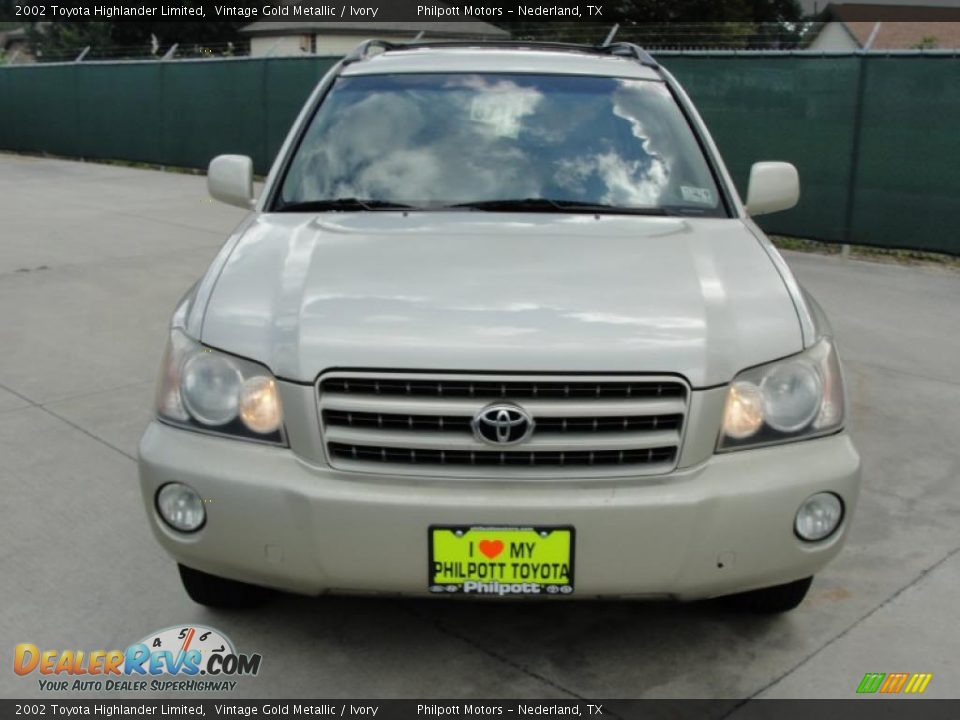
500 59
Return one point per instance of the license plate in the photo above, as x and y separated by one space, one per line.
483 560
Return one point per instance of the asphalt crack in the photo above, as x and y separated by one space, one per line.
32 403
467 640
839 636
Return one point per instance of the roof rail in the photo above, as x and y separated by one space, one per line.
361 51
622 49
626 48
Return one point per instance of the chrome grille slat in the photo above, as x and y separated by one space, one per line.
432 405
499 390
461 424
420 424
540 441
504 458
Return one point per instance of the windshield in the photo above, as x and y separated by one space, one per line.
441 140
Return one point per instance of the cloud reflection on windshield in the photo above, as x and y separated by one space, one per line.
446 139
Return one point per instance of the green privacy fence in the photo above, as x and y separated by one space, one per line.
171 113
874 136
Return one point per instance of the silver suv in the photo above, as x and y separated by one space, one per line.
499 326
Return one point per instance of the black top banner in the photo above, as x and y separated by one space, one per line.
371 11
400 11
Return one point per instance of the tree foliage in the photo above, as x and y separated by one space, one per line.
7 12
61 39
732 22
721 23
132 38
757 11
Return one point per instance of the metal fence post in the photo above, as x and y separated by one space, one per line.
855 153
610 35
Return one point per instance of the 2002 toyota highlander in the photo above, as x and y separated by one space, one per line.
499 325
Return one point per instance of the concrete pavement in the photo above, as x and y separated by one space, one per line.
93 259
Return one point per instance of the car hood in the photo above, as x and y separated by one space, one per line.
303 293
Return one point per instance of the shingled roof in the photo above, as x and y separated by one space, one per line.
897 27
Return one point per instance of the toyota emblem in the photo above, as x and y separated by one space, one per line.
502 424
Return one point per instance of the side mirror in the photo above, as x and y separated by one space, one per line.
774 186
230 180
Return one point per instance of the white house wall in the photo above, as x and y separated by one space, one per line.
834 36
280 46
339 44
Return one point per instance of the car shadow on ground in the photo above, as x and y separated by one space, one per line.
564 648
499 626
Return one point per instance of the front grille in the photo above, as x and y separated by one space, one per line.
412 424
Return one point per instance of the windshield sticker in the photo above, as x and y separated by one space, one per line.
700 195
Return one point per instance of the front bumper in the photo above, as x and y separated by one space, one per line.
722 526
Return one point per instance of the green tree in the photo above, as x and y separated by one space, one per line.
131 38
183 33
64 40
7 12
719 23
703 10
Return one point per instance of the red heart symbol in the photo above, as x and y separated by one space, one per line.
491 548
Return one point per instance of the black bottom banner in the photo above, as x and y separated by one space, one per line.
507 709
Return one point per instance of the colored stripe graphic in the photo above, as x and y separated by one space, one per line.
918 683
893 683
871 682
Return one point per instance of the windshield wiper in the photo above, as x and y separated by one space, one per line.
343 205
548 205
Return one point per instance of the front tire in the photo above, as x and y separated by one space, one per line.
770 600
217 592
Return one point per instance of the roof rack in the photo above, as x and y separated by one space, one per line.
622 49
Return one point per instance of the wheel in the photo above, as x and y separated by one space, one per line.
218 592
776 599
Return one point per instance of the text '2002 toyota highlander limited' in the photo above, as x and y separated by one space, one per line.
498 326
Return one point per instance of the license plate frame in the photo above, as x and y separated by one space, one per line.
510 580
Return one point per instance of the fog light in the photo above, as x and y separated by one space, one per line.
819 516
181 507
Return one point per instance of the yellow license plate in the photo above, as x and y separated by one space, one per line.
481 560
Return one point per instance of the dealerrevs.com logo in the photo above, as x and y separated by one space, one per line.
181 658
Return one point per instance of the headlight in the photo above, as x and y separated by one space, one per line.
210 388
790 399
791 395
260 405
203 389
744 410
